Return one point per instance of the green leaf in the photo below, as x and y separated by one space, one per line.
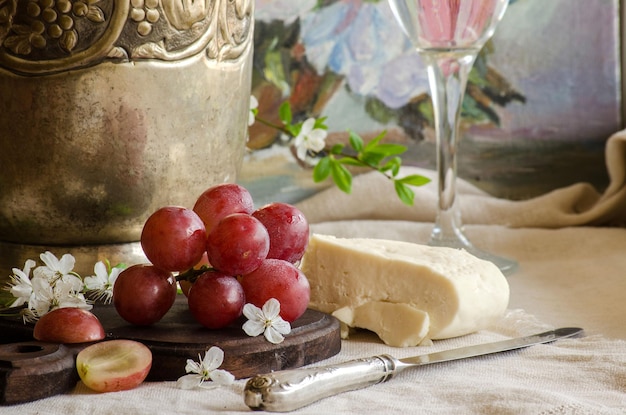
321 169
356 141
388 149
337 149
6 298
351 161
293 130
414 180
392 165
284 112
404 192
374 141
341 176
371 159
321 123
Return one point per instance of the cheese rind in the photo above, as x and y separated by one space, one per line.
459 293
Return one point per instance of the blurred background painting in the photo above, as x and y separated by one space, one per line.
543 97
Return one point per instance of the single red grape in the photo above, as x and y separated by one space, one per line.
221 200
237 244
282 280
288 230
143 294
174 238
216 300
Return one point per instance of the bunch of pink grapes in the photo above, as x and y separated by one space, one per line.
241 255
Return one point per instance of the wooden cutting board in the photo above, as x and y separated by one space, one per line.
177 337
314 336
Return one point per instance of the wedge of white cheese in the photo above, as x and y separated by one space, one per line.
406 293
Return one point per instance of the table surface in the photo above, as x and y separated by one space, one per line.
567 277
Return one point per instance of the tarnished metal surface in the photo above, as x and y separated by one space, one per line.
111 109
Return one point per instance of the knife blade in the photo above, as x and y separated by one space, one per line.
287 390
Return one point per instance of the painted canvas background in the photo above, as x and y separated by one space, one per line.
543 98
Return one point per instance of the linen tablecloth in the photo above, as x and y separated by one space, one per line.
572 272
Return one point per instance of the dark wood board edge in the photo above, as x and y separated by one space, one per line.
33 370
314 338
311 344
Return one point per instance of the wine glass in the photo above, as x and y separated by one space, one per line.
449 34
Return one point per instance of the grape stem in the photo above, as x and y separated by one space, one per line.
192 274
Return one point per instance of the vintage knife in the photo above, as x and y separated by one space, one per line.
287 390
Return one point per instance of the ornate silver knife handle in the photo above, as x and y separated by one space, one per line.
288 390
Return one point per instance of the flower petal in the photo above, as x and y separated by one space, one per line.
252 312
282 326
299 140
317 140
193 367
189 381
73 282
301 152
21 292
213 359
253 327
50 260
115 272
254 102
28 265
271 309
222 377
101 271
307 126
43 272
273 336
66 264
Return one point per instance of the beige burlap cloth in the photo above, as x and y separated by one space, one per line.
579 204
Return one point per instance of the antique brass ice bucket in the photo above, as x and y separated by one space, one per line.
110 109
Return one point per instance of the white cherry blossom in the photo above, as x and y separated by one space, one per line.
309 138
204 370
52 285
20 286
100 285
55 269
266 321
47 297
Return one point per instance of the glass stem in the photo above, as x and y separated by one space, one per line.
447 74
